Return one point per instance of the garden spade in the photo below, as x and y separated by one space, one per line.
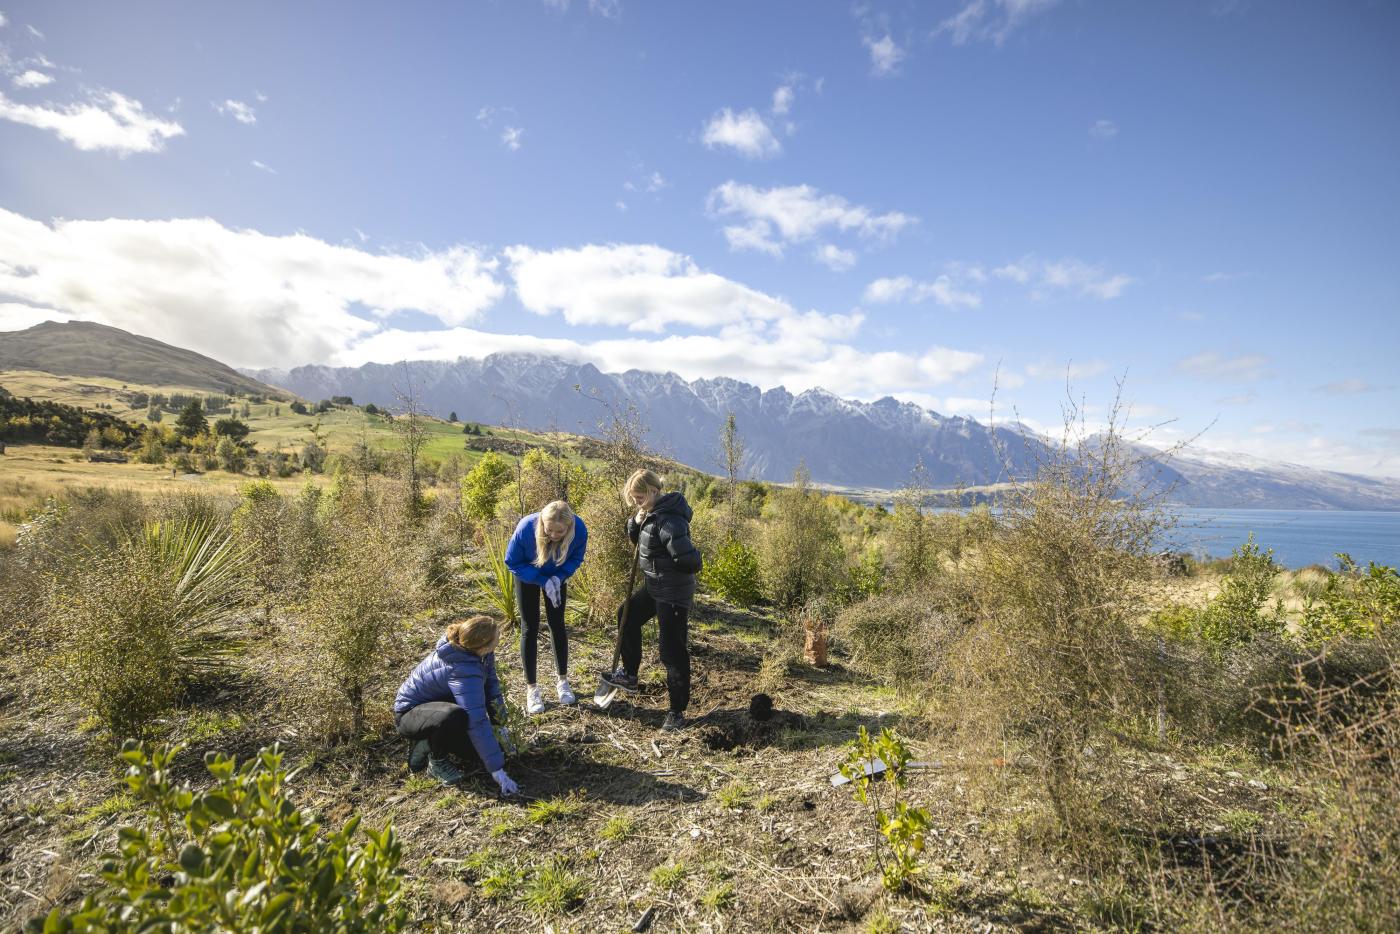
607 692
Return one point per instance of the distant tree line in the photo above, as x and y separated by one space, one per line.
43 422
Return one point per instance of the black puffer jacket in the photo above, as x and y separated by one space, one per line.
668 557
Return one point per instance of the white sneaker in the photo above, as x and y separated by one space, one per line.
534 699
566 693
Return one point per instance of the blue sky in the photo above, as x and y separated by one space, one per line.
875 198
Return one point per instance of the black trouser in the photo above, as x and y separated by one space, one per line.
444 725
528 597
673 620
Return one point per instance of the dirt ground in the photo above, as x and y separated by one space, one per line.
729 825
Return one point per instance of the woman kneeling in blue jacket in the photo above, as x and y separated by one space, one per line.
545 551
447 705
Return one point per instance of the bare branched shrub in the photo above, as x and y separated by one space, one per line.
1052 661
1342 742
348 620
603 577
899 637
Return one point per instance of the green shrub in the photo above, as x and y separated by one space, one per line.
1238 614
901 828
482 486
238 857
733 574
1352 604
132 625
799 551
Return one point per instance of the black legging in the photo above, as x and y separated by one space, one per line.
444 725
528 597
673 621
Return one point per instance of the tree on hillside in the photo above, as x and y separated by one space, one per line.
452 417
412 429
732 459
192 421
231 428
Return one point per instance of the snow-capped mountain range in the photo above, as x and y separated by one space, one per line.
843 442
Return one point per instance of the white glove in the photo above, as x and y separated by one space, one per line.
552 590
508 787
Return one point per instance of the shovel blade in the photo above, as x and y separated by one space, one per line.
604 696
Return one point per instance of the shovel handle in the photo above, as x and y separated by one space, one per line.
626 602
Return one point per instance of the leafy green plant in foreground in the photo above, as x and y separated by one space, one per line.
238 857
901 828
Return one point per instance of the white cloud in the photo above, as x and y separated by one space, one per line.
885 55
745 132
3 21
32 79
649 183
968 408
782 99
244 297
773 217
609 9
17 317
108 121
1225 276
262 166
835 258
238 110
942 291
260 97
993 20
510 137
1064 276
637 286
1215 366
1347 387
35 33
1103 129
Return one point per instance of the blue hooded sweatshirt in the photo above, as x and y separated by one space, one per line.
453 674
520 553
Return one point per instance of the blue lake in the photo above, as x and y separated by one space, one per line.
1299 537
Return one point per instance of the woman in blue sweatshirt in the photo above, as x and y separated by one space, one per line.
447 705
545 551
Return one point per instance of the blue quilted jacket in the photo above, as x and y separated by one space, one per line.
453 674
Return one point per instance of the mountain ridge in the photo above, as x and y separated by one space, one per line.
843 442
85 348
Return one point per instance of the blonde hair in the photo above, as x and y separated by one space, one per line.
642 479
474 634
556 513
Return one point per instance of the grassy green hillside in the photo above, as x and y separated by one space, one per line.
84 349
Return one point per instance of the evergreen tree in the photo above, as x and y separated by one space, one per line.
192 421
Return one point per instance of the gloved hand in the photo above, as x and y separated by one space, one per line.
508 787
552 589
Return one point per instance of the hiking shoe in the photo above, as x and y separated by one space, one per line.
418 756
445 771
534 699
674 721
621 679
566 693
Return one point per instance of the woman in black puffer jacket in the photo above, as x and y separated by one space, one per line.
671 562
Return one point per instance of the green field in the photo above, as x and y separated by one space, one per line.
30 472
